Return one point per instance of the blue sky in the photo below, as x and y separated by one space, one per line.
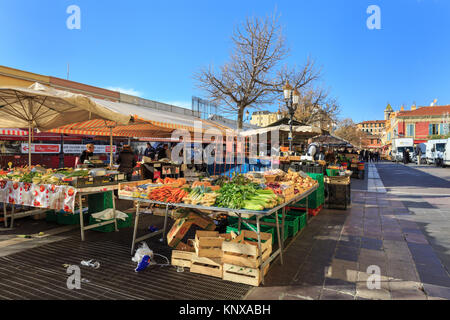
152 48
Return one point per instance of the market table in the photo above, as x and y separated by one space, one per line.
238 212
44 197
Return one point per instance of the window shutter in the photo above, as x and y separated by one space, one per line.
441 128
430 129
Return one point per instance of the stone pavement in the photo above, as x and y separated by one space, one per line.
331 257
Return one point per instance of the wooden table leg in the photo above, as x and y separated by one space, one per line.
12 216
136 222
80 203
4 214
279 237
114 210
165 224
258 232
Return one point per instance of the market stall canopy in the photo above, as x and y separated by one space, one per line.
45 108
302 130
166 121
331 140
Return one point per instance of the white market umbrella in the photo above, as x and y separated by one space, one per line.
45 108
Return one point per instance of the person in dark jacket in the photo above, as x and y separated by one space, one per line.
127 161
150 151
86 154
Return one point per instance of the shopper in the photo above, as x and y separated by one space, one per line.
150 151
313 149
127 161
86 154
418 154
405 156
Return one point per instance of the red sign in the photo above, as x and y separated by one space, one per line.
41 148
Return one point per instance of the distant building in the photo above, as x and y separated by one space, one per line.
418 123
374 127
265 118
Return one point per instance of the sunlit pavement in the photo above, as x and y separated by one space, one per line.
401 231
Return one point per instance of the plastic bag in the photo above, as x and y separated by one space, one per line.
108 214
143 257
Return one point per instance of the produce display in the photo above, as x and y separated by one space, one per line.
40 175
239 192
167 194
174 182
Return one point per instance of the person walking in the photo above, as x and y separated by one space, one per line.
377 156
127 161
418 154
405 156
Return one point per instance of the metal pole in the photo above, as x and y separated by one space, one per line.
29 142
110 148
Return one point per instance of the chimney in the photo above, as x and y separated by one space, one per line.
413 107
402 108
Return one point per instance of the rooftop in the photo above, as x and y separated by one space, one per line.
425 111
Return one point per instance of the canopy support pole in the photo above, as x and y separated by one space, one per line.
29 143
110 148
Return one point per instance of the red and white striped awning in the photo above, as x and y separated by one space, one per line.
13 132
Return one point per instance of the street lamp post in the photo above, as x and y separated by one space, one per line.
291 97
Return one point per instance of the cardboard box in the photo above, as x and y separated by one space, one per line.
182 226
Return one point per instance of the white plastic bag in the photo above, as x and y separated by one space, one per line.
142 251
108 214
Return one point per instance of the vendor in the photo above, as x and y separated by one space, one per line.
86 154
330 157
313 149
127 161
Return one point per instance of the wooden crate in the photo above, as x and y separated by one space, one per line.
250 276
245 253
208 266
337 180
208 244
182 258
122 192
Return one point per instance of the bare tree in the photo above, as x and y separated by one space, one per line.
348 130
315 104
246 80
317 108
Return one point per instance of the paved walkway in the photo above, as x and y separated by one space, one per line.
330 259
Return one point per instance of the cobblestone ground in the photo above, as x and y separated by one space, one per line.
406 238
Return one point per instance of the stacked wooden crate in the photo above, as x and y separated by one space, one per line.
241 257
227 256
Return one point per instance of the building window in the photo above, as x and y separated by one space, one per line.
410 130
433 129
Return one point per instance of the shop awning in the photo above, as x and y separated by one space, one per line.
13 132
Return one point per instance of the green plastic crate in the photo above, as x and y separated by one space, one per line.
51 216
98 202
302 215
233 220
315 200
303 220
70 218
266 229
291 221
332 172
318 177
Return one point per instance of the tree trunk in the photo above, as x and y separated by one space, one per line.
240 117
